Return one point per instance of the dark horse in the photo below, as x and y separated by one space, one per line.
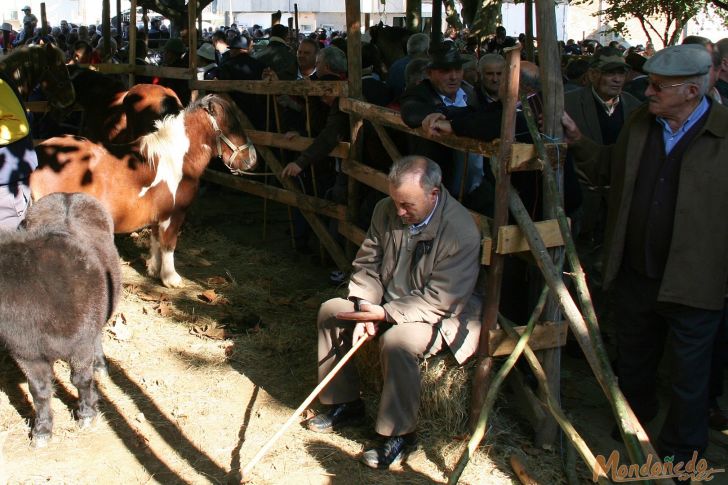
44 66
71 285
153 181
113 114
391 41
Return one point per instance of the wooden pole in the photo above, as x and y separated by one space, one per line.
44 29
132 40
553 104
436 36
295 19
261 453
530 55
353 50
414 15
106 28
500 218
192 43
192 36
118 23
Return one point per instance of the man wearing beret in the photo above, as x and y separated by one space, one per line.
666 241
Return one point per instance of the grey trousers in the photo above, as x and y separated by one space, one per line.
401 348
13 204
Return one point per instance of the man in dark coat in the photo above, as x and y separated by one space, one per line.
666 243
442 93
238 64
599 110
278 56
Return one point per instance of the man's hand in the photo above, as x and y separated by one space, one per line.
572 133
368 312
269 75
428 124
364 328
291 170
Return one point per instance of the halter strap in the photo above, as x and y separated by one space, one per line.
235 149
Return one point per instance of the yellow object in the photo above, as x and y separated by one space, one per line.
13 122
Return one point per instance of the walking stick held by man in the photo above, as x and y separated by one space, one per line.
364 330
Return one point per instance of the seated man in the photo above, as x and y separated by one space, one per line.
413 283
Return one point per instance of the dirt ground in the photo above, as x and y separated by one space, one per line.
181 407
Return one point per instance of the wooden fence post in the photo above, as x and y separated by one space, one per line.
489 318
552 88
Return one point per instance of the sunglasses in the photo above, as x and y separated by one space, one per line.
658 87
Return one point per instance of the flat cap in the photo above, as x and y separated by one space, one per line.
679 60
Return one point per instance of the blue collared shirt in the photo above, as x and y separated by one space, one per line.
461 99
671 138
415 229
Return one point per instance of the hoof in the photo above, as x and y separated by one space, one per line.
172 281
86 423
153 267
101 371
40 441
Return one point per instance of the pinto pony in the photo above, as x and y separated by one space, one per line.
113 114
60 280
153 181
44 66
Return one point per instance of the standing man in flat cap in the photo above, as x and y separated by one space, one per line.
666 242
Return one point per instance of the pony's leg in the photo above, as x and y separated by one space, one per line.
168 232
100 366
154 261
39 374
82 376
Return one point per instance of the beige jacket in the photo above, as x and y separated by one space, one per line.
444 276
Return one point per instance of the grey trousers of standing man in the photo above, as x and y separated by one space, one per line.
401 347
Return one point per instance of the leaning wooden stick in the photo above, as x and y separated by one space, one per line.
249 467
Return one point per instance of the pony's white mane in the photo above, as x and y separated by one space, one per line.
165 150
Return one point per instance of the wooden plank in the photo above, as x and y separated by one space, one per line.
387 142
352 232
511 238
293 88
164 71
303 201
318 227
297 143
43 107
366 175
523 155
486 251
546 335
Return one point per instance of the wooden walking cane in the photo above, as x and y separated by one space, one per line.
249 467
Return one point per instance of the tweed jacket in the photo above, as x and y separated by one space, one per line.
444 277
581 107
696 272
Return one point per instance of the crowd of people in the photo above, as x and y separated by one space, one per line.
644 184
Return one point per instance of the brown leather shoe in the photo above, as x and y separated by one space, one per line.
717 419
